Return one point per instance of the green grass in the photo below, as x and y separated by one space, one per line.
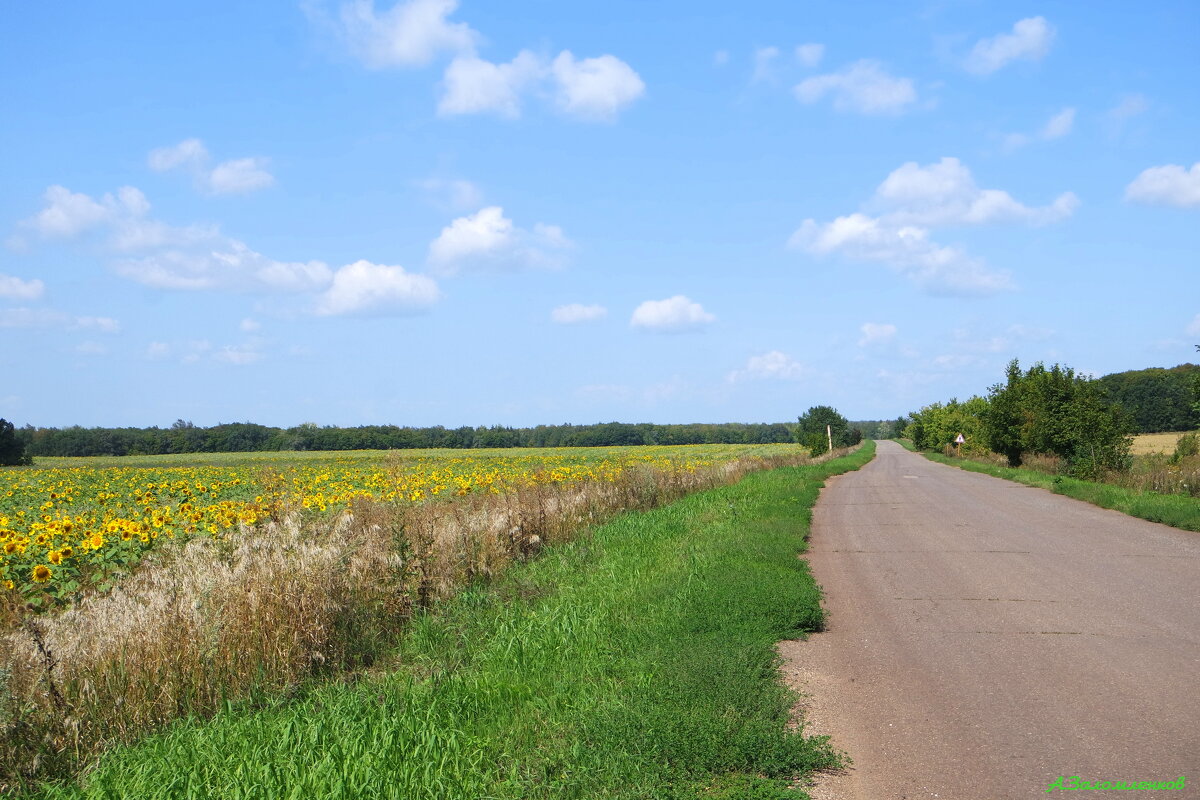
636 662
1178 511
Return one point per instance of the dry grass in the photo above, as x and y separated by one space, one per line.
275 607
1146 443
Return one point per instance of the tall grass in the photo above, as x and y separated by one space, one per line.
263 614
1137 493
635 662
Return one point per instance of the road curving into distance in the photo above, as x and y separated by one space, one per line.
985 638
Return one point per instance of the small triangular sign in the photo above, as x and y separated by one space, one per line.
959 439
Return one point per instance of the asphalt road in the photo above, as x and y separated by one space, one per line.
986 638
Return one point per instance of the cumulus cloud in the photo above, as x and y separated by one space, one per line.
774 365
68 214
1170 184
409 34
594 88
490 240
911 201
240 176
224 264
945 193
673 315
188 153
908 249
876 333
577 312
472 85
864 87
197 258
366 288
810 54
1029 40
236 176
415 32
13 288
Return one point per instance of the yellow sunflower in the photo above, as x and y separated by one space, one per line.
41 573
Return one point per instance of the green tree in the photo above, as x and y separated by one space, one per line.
12 449
1054 411
811 430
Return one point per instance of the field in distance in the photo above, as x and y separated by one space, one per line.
1154 443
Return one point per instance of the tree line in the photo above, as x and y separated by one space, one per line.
184 437
1040 410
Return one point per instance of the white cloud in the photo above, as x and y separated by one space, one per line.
188 153
577 312
249 325
774 365
906 248
158 350
1059 125
406 35
876 333
1056 127
945 193
472 85
1170 184
1193 328
863 87
239 176
488 239
595 88
366 288
764 58
1030 40
239 355
1130 106
23 317
810 54
13 288
224 264
69 214
236 176
195 258
102 324
452 194
673 315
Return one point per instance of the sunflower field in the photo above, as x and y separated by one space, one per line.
72 526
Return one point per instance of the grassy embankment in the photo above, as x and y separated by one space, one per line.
636 662
1178 511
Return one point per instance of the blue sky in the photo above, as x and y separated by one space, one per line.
440 212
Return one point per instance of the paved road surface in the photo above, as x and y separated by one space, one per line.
986 637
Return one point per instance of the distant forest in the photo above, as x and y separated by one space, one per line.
1158 399
184 437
